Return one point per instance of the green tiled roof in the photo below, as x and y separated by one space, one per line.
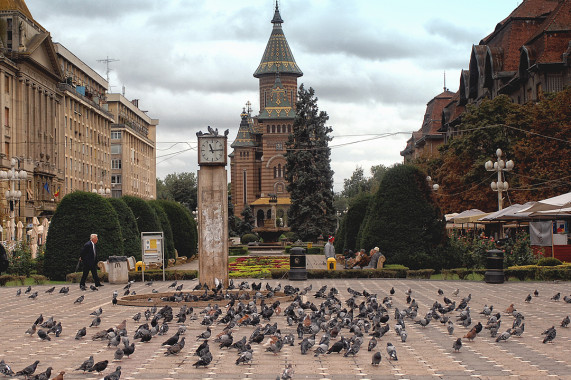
278 106
278 56
245 137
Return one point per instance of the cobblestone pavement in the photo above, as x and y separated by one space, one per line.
427 354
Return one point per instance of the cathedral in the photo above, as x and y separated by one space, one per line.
257 162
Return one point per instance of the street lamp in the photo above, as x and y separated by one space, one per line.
104 192
499 166
13 195
434 186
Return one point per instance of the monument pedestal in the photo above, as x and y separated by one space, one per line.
213 225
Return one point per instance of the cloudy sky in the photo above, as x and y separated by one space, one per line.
374 64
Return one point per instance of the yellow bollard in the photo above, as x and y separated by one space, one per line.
331 264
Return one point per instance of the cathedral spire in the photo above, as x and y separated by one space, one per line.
277 56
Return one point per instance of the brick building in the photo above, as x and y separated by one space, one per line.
258 160
526 56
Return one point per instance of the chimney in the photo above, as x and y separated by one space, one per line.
135 102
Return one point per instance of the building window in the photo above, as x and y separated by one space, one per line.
269 214
115 135
6 84
115 164
268 128
244 188
116 179
273 129
279 146
289 129
115 149
6 116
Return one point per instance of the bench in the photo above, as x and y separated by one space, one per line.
131 263
103 266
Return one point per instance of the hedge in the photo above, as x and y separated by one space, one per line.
238 251
462 273
349 273
150 275
539 273
420 273
6 278
308 251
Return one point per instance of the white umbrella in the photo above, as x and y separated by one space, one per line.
551 204
469 216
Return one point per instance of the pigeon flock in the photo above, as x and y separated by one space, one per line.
238 318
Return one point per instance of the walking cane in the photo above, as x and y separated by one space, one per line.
77 266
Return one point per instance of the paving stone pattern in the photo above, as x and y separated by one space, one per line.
427 354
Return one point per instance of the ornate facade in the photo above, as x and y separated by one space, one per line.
57 122
258 161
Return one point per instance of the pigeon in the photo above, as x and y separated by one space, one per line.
86 365
31 330
28 290
517 331
29 370
81 333
43 335
376 360
5 369
97 312
93 288
44 375
18 292
137 317
556 297
372 344
205 334
455 293
536 293
99 366
128 350
504 336
118 354
204 360
287 373
175 348
33 295
528 298
565 321
115 375
457 345
96 322
172 340
440 292
245 357
392 351
51 290
550 334
173 285
79 300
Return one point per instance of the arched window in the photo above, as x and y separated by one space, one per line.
280 174
268 127
289 129
275 172
269 214
273 129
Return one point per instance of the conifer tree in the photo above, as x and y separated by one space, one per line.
308 170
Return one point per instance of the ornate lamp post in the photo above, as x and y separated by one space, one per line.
499 166
434 186
13 196
104 192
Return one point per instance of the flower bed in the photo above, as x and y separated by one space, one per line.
256 266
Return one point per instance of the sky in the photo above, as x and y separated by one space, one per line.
374 64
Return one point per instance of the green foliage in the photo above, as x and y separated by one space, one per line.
395 266
471 250
77 216
548 262
349 273
291 236
518 251
308 171
340 235
6 278
403 220
420 273
184 230
248 238
146 217
180 187
354 220
39 279
20 260
246 225
150 275
355 185
239 250
166 228
129 230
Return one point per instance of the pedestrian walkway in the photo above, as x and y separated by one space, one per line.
426 354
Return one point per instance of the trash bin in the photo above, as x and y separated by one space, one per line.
331 263
118 270
494 267
297 264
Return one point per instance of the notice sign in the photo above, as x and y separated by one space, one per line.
152 245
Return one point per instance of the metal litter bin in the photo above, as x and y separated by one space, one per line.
297 264
118 270
494 267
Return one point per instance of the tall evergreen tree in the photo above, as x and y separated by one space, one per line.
308 170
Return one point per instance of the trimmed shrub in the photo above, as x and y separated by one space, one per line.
77 216
354 219
39 279
291 236
5 278
183 226
150 275
238 251
248 238
420 273
349 273
20 260
129 230
147 219
548 262
166 228
315 251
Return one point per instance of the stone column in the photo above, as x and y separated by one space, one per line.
212 225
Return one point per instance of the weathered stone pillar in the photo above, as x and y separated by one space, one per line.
213 225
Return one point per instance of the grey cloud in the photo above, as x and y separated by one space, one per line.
99 9
452 32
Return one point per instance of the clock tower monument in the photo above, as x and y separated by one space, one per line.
212 207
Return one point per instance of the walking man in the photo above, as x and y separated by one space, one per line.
89 259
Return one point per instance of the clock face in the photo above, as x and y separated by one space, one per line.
212 151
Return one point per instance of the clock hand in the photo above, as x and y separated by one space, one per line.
211 150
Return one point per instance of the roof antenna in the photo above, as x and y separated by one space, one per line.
107 61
